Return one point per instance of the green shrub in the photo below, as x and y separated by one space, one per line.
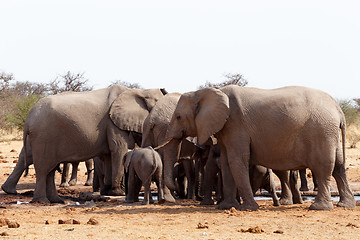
22 108
351 111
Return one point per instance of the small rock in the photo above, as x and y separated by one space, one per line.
70 229
3 161
47 222
69 221
70 209
279 231
256 229
13 150
202 225
352 225
4 234
93 221
233 210
2 157
15 161
13 224
75 221
3 222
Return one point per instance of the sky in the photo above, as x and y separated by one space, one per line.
179 45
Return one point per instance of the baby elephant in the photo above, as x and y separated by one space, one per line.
144 164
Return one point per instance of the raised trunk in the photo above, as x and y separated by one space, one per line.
171 152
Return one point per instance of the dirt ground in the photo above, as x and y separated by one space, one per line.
183 220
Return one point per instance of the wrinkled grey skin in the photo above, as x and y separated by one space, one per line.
282 129
145 164
72 182
74 127
154 134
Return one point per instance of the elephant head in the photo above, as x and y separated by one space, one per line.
131 107
198 114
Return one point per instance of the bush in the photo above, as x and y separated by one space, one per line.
21 109
351 111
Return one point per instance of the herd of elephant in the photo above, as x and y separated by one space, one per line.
229 139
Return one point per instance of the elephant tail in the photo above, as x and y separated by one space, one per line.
25 135
343 135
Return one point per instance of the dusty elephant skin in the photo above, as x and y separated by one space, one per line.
285 128
73 127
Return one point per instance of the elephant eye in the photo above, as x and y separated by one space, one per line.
178 117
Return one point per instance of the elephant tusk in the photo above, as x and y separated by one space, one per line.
163 145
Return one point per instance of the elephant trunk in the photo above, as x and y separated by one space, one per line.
171 155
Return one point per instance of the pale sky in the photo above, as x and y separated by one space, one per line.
180 45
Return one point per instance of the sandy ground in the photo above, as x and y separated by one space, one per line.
183 220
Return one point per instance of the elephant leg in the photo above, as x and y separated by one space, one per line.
286 195
314 181
51 193
272 189
229 189
190 175
74 171
346 196
168 196
296 195
147 192
160 184
106 190
90 172
41 186
240 171
64 175
304 186
323 168
10 184
131 185
210 175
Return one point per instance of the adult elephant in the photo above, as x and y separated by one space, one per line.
154 133
285 128
73 127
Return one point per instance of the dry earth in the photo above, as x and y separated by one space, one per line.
183 220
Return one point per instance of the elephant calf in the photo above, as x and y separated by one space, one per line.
144 164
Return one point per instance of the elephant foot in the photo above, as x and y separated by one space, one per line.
253 206
169 198
161 201
117 192
347 203
276 203
73 182
286 201
227 204
40 200
207 201
298 200
304 188
9 190
64 184
88 183
56 199
106 190
321 205
316 189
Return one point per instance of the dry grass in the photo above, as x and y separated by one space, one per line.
353 135
10 135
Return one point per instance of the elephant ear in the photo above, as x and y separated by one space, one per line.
212 111
130 109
